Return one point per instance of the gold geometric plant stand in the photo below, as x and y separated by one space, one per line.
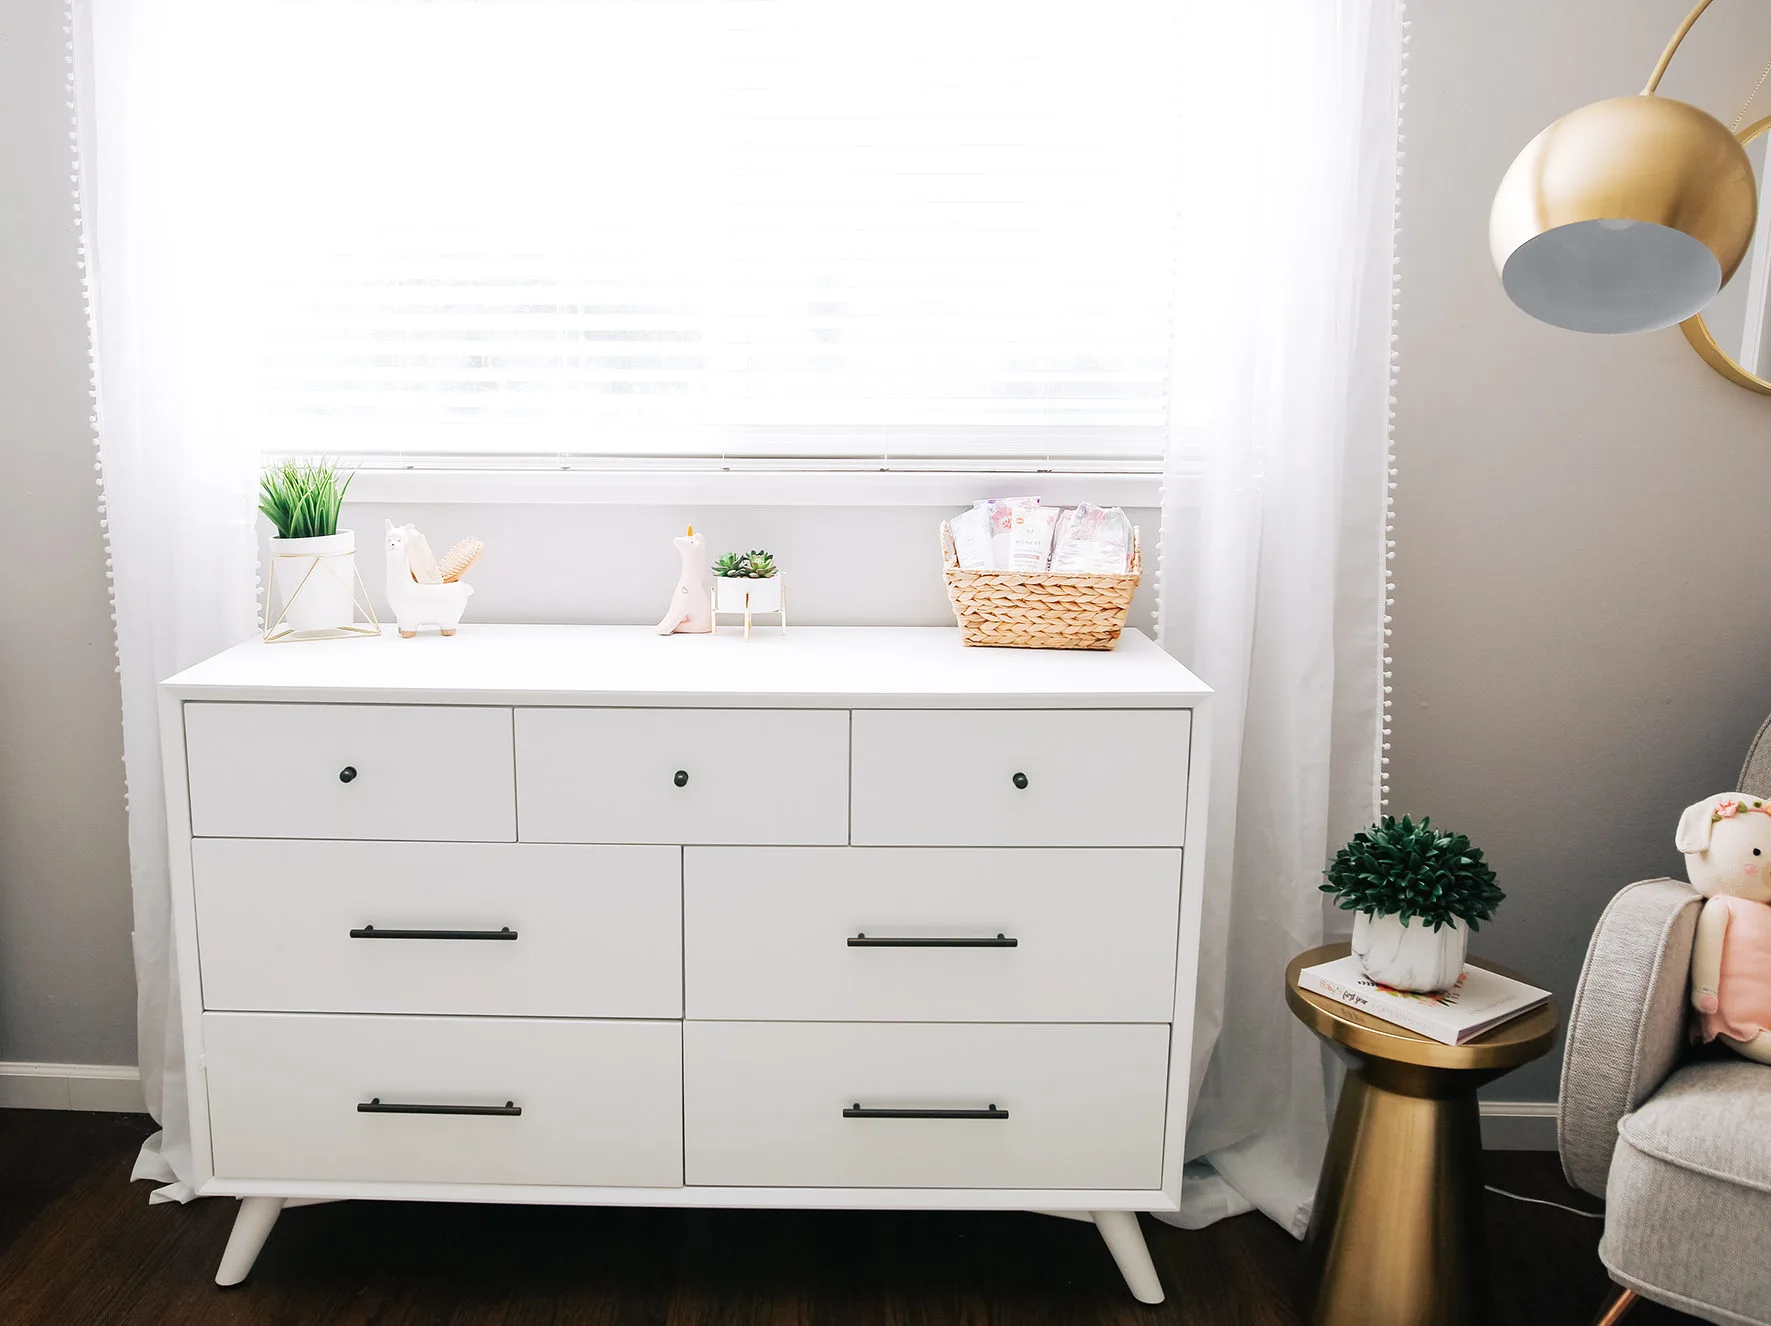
280 630
1396 1232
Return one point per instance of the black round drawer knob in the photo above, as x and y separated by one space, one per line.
1020 780
682 778
347 773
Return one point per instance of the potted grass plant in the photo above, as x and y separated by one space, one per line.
1417 892
314 567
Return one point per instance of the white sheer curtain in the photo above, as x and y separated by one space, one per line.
179 470
1274 572
1272 581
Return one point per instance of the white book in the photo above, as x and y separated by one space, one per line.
1480 1001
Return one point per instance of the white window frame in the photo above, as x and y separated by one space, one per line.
499 483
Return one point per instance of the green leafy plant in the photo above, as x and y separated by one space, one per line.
1401 868
753 565
301 498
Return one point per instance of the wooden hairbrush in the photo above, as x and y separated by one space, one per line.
455 562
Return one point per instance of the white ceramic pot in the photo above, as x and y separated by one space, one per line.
1412 955
315 579
730 593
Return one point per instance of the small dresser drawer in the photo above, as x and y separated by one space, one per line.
930 934
450 1100
940 1105
488 928
1020 778
683 775
350 771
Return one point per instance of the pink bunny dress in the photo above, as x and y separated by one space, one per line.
1743 994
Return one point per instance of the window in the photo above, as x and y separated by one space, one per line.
845 232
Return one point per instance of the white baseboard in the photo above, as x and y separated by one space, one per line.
111 1088
1519 1125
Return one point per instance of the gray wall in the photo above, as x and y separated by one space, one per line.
67 990
1581 615
1583 602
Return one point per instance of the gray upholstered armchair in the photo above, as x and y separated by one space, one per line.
1677 1142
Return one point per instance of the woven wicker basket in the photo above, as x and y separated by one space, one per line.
1039 609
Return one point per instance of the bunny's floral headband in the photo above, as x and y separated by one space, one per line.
1727 810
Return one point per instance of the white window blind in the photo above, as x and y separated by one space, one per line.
844 230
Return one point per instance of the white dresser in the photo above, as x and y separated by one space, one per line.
845 918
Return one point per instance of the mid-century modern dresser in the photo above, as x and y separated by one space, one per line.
841 918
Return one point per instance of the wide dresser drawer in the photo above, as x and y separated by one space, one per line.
936 1105
444 1100
475 928
1020 778
930 934
415 772
683 775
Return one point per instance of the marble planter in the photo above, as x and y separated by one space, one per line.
1411 955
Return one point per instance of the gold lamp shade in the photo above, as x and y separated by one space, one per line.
1624 216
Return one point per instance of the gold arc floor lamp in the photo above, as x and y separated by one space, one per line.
1625 215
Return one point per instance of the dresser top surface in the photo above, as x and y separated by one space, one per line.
834 666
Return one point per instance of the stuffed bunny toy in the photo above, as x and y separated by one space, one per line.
1726 840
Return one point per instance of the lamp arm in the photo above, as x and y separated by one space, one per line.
1666 56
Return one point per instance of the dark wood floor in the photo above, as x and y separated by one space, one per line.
80 1246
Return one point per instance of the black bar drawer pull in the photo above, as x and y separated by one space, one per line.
935 941
370 932
856 1112
508 1110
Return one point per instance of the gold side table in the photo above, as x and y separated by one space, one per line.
1396 1235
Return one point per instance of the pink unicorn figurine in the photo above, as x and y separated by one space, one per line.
691 603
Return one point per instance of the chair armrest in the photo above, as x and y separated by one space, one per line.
1627 1029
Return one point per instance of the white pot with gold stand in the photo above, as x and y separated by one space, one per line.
314 591
750 597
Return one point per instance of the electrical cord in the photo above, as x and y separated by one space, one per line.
1539 1201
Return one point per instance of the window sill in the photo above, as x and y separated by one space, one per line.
744 487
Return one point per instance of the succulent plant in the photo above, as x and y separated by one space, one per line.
753 565
1401 868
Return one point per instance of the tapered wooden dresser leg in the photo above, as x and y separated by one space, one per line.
252 1226
1125 1240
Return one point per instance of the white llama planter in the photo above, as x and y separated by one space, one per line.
412 604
